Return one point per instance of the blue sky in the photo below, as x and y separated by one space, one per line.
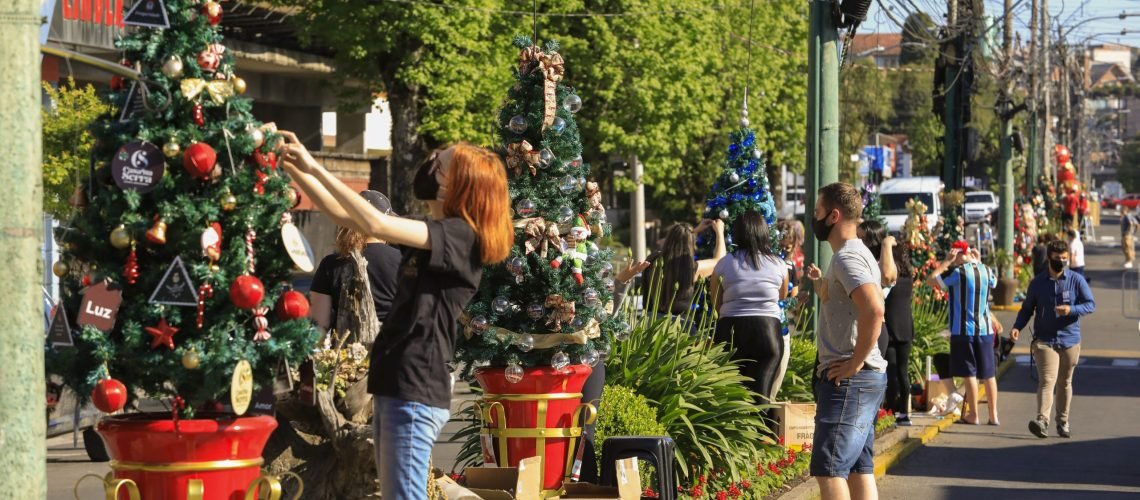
1072 11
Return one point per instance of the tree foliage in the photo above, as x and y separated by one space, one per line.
67 141
863 110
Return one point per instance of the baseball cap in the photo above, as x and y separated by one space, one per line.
378 201
961 245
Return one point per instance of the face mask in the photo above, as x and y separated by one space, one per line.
820 228
1058 265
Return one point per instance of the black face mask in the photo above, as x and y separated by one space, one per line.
1057 265
424 186
821 229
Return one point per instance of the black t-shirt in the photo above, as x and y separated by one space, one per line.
335 271
899 319
412 356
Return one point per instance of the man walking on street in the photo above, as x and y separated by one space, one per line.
1056 300
852 372
968 283
1128 223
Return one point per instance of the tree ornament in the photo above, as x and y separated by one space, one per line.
591 358
513 373
561 311
199 160
229 201
211 241
172 149
565 214
590 297
517 124
604 351
256 136
757 154
120 238
238 84
610 284
292 305
622 331
131 268
500 305
558 125
78 197
157 232
191 360
578 323
60 268
576 162
293 197
559 361
172 68
545 158
163 334
536 311
572 103
213 12
734 177
198 114
568 185
607 269
250 236
525 342
246 291
479 323
211 57
204 292
525 208
109 395
723 214
262 324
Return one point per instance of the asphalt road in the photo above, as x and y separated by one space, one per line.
1008 462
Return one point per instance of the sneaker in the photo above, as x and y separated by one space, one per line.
1128 265
1039 428
1063 430
903 420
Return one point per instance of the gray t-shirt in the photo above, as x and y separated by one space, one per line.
851 267
748 291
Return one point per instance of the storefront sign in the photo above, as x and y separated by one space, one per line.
88 23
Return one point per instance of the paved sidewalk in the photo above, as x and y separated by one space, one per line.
1007 462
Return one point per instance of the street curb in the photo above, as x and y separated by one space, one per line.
809 490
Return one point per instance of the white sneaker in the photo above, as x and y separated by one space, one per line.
1128 265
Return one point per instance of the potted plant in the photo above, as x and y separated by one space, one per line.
1007 285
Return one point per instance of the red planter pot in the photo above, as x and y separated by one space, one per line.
220 457
538 416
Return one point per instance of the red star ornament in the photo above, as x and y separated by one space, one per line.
163 334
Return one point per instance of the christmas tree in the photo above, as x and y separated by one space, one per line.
181 246
741 186
873 205
549 303
952 224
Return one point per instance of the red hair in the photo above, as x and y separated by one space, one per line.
477 193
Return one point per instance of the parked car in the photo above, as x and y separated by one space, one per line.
979 204
895 193
1129 201
1107 201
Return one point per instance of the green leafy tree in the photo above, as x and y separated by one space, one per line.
67 141
918 37
864 108
557 282
219 178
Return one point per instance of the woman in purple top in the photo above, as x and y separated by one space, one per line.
747 287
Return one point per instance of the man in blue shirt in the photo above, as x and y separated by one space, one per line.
1056 299
968 283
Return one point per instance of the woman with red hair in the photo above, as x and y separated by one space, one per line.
470 226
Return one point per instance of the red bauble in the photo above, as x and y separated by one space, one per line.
247 291
211 58
213 12
293 305
109 395
198 115
1062 154
118 83
199 159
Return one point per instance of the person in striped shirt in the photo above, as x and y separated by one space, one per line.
968 283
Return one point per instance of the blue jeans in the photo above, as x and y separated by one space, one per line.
845 424
404 432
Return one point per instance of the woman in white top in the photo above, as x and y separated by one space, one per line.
1076 251
747 286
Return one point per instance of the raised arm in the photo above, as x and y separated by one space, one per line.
346 206
935 279
887 266
705 266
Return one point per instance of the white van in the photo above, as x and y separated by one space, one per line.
894 193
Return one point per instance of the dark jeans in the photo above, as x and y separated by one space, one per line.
898 376
759 348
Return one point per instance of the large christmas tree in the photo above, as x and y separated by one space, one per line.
549 303
175 271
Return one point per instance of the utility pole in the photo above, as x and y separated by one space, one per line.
823 119
953 55
1031 165
637 212
1005 106
22 400
1048 166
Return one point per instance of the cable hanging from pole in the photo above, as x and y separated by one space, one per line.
748 65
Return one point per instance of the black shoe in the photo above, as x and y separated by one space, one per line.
903 421
1039 428
1063 430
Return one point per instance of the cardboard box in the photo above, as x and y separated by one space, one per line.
506 483
796 423
938 389
628 488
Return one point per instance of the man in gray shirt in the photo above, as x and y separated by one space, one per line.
851 369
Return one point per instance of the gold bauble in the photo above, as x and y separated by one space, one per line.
229 201
120 238
238 84
190 360
60 268
172 68
172 149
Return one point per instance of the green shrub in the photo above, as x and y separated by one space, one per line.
623 412
931 317
797 381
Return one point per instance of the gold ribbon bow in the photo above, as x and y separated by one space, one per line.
522 154
551 66
561 310
219 90
540 235
591 330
